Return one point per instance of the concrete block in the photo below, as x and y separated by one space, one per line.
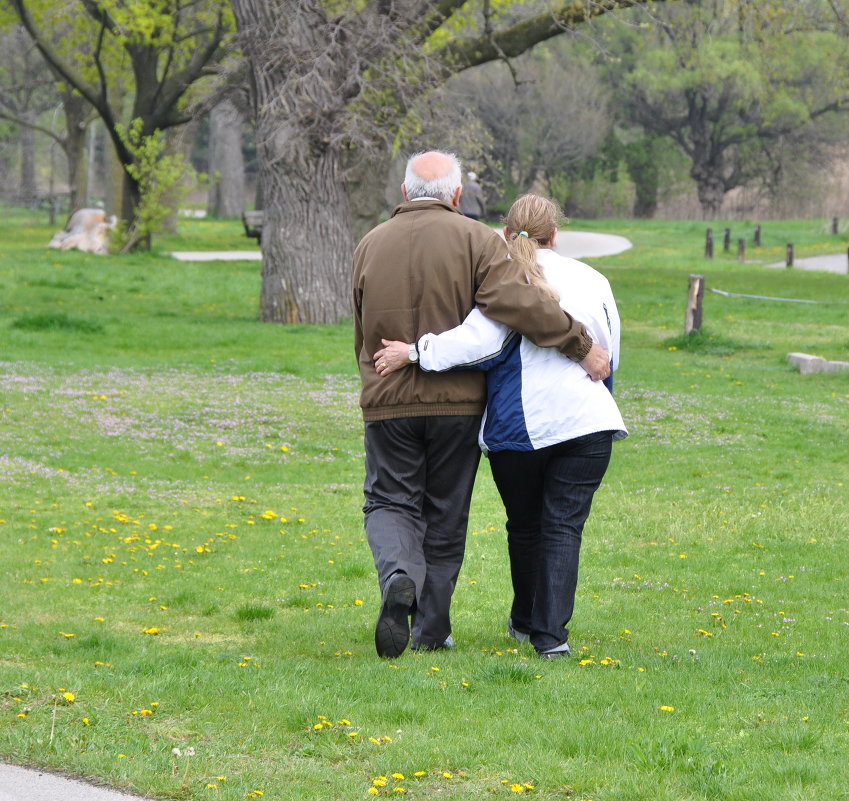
836 367
807 363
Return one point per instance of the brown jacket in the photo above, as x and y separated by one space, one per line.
424 270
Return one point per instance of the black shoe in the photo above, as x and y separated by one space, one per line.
392 632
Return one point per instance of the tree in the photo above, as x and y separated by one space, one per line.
545 111
26 93
226 163
332 85
716 79
169 45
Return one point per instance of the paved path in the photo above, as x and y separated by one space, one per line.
217 255
833 264
577 244
585 245
24 784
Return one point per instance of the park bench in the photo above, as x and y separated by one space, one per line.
253 224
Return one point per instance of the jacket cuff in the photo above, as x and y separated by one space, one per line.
580 346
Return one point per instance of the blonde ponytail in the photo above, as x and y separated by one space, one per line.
530 223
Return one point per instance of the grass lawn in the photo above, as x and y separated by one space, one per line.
187 602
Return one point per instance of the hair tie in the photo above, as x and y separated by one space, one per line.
524 234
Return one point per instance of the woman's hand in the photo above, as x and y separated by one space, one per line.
391 357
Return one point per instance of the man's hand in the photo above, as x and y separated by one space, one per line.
596 363
391 357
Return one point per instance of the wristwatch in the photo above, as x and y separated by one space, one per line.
413 353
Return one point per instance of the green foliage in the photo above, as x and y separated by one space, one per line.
715 80
162 179
703 341
252 612
709 631
56 322
643 159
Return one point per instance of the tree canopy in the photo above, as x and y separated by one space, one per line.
717 78
334 84
138 60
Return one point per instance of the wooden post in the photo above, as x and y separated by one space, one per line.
709 244
757 236
789 254
741 250
834 225
693 317
726 240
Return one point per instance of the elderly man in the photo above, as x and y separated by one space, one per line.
423 270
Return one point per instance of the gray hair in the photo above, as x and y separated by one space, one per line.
442 187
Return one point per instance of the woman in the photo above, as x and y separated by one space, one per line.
548 428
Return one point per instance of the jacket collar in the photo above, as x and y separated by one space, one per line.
417 205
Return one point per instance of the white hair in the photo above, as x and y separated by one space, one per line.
441 188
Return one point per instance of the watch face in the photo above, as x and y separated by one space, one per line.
413 354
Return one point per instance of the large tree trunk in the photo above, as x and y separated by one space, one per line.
76 127
307 243
710 187
226 163
367 193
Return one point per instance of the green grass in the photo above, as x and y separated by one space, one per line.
183 551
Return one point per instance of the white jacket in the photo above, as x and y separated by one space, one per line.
537 397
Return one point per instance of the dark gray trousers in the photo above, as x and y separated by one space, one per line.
420 472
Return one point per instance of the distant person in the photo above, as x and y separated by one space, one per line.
472 203
548 430
423 270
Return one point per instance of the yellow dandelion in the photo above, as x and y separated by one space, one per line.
69 697
398 776
666 708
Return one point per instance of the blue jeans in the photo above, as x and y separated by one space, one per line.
548 494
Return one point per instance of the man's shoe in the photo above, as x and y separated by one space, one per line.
557 652
447 643
392 632
519 636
